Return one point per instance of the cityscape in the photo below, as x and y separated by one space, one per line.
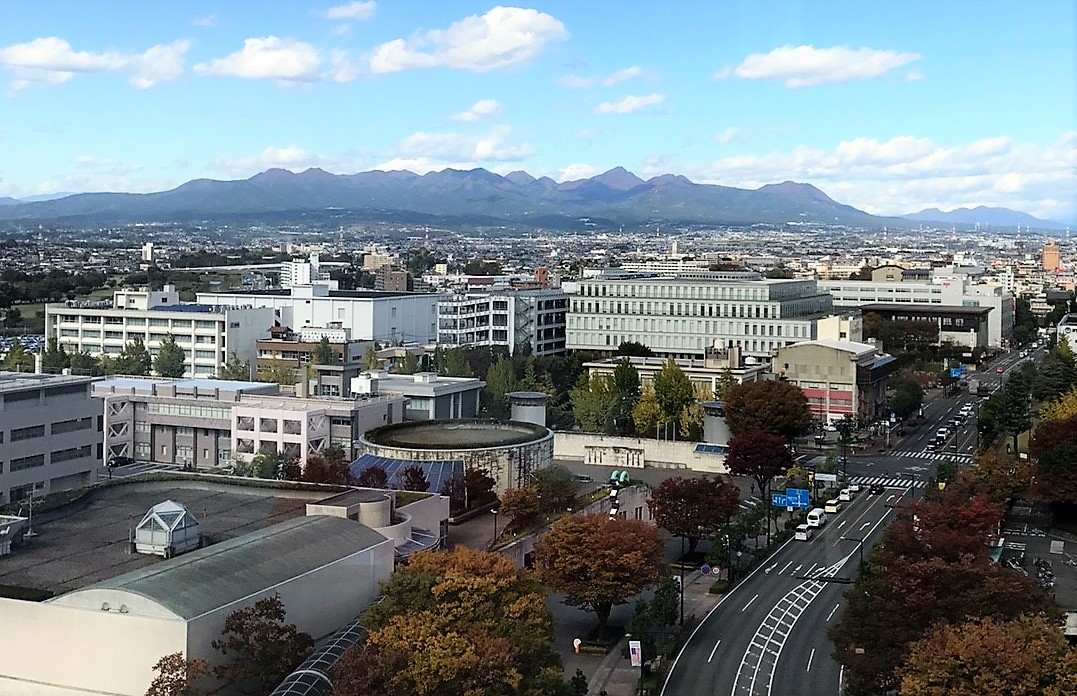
467 350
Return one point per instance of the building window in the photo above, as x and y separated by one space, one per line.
27 433
267 425
23 463
66 455
70 426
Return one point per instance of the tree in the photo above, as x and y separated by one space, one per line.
759 455
647 415
324 353
634 349
673 391
373 476
328 466
1025 656
452 363
997 476
134 359
598 562
276 370
500 380
774 407
370 359
520 507
235 369
470 490
17 359
409 365
907 398
54 359
1015 415
626 388
693 507
260 645
1051 434
1056 474
1055 375
177 676
171 359
726 379
413 478
1063 407
593 402
555 487
84 364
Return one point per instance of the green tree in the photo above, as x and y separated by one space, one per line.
17 359
599 562
84 364
673 391
626 387
235 369
634 349
647 414
55 359
1056 374
907 397
328 466
452 363
370 359
171 359
500 380
324 353
726 380
178 676
413 478
259 645
693 507
134 359
409 365
276 370
555 486
775 407
593 402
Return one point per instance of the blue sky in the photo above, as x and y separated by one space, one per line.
890 107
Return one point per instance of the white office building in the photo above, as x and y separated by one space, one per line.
511 319
949 290
685 315
386 317
299 272
50 434
207 333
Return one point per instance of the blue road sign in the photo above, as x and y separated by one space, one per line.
706 570
955 372
797 497
779 500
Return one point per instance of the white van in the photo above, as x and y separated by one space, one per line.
804 533
845 495
817 517
832 506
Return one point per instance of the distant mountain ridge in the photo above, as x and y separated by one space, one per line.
616 197
984 216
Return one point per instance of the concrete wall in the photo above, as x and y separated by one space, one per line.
631 452
84 650
431 513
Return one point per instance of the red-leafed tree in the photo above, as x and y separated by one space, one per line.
260 646
178 676
693 507
372 477
1052 433
760 455
328 466
774 407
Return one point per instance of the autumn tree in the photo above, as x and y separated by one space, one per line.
235 369
776 407
178 676
373 476
259 645
520 508
599 562
646 414
1062 407
413 478
673 391
760 455
1025 656
1051 434
693 507
1056 474
171 359
593 402
328 466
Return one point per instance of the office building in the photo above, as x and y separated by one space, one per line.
839 378
292 349
299 272
514 319
1052 257
684 315
50 434
207 333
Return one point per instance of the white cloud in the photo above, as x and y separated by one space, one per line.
209 21
908 173
354 11
461 147
502 37
581 82
804 66
52 60
629 104
269 58
341 30
289 157
479 110
727 136
577 171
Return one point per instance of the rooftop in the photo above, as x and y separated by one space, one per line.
846 346
18 381
921 308
349 294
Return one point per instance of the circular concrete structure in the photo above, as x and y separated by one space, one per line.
508 451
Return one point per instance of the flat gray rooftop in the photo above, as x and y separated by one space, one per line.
86 542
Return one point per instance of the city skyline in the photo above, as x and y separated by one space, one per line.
915 106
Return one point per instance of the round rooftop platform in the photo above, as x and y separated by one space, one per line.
456 434
528 396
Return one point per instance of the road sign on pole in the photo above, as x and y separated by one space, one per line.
779 500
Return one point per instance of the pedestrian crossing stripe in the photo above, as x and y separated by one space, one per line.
936 456
887 482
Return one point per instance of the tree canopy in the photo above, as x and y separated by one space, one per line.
171 359
178 676
760 455
235 368
776 407
693 507
259 645
598 562
324 353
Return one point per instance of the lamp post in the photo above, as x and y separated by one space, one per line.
681 564
494 540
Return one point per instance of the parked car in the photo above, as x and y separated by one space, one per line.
121 461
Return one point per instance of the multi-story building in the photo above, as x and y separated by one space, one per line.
1052 256
839 378
292 349
50 434
705 374
509 318
1067 331
204 423
684 315
388 279
208 333
385 317
954 290
299 272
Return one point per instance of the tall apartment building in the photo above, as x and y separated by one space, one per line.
508 318
684 315
386 317
50 434
208 333
299 272
941 290
389 280
1052 256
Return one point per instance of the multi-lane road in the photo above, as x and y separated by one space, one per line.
768 635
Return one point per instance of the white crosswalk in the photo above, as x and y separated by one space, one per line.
934 456
887 481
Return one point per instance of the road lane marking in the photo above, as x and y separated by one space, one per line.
714 649
841 524
771 568
797 569
810 656
782 571
831 616
841 680
750 602
866 524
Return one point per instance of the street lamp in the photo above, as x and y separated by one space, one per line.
681 564
494 540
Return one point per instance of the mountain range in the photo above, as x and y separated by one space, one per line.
614 198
